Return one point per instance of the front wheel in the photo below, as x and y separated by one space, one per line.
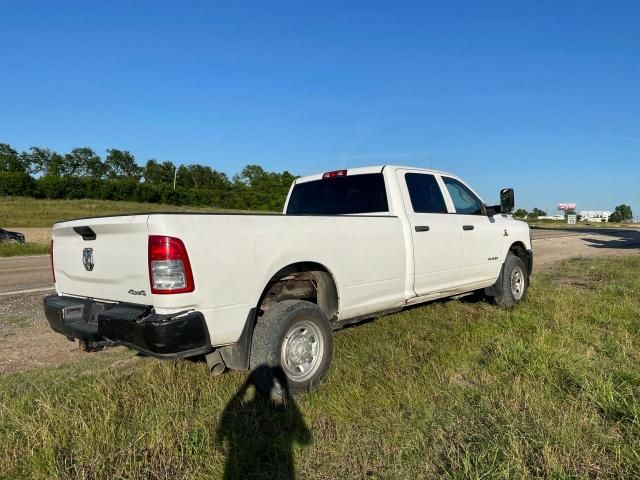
292 348
513 284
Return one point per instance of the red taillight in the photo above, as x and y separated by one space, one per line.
53 272
335 173
169 267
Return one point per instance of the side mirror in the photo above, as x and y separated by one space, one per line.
507 200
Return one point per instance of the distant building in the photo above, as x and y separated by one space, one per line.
595 215
552 217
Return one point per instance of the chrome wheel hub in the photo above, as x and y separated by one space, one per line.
302 351
517 283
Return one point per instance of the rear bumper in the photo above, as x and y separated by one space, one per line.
177 335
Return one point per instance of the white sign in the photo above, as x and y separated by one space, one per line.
571 219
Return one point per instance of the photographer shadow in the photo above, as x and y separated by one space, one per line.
259 430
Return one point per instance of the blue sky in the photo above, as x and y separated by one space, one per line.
541 96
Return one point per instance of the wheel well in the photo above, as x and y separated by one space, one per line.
302 281
519 250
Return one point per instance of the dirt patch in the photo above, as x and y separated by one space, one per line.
37 347
550 250
583 283
27 342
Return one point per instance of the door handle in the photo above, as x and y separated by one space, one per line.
422 228
468 227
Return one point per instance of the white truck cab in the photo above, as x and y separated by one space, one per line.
248 290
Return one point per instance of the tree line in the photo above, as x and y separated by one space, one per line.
532 215
82 173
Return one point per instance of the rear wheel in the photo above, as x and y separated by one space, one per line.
292 348
513 285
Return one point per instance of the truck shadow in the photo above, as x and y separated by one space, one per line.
258 432
624 239
613 231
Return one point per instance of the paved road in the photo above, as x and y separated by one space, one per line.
32 273
539 233
25 273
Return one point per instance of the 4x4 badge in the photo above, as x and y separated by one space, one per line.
87 259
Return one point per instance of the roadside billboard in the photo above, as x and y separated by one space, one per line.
566 206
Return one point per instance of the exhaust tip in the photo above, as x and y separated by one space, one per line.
215 363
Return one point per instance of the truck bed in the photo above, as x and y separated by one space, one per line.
232 258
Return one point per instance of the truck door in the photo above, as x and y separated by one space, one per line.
436 235
480 235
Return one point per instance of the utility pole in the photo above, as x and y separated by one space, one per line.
175 176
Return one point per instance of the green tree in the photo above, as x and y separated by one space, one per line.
538 212
82 162
45 162
251 174
185 177
255 188
157 173
535 213
11 161
201 176
121 164
520 213
615 217
625 213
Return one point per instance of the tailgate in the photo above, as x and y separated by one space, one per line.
111 266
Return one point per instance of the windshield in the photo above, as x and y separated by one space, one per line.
340 196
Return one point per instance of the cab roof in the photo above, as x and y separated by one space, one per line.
365 170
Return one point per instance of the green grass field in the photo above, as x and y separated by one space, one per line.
456 389
12 249
31 212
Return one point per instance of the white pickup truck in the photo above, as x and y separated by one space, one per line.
246 290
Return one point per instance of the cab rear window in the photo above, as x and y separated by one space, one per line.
340 196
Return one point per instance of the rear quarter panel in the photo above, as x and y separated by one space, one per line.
233 257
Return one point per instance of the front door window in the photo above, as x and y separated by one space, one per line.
464 200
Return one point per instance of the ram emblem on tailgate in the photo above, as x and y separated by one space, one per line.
87 259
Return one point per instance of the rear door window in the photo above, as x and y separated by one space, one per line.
425 193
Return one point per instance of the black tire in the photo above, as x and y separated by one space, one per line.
507 295
273 332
